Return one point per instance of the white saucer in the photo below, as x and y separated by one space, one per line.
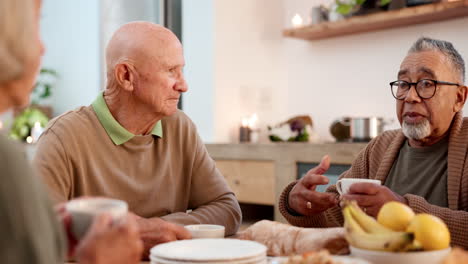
209 250
255 260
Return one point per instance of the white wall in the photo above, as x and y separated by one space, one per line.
349 75
70 30
197 38
115 13
250 76
256 69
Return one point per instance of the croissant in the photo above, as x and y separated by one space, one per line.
284 240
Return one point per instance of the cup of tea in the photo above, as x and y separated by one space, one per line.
206 231
83 211
343 185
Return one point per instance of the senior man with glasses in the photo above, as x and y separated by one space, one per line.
424 164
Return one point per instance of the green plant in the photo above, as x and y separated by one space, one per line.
297 127
24 122
45 82
348 6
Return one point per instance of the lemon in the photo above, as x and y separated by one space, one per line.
430 231
395 216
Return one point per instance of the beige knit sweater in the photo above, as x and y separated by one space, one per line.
375 162
158 177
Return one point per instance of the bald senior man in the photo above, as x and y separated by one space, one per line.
133 144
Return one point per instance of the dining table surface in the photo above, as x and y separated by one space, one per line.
142 262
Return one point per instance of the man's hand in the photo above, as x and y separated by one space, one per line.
65 219
304 199
155 231
371 197
106 242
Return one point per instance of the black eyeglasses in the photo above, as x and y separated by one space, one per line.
425 88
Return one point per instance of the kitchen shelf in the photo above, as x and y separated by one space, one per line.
382 20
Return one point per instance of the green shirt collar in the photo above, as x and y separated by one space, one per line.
116 132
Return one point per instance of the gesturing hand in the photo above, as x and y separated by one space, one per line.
304 199
371 197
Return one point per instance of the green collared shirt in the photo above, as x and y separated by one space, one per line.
117 132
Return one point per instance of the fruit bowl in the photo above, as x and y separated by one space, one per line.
383 257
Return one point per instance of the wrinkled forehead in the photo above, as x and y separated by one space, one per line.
163 53
430 64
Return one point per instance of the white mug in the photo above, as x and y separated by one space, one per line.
206 231
83 211
342 186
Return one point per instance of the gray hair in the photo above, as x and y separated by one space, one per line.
16 35
446 48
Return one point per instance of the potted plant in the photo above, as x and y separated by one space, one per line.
360 7
42 93
296 129
28 123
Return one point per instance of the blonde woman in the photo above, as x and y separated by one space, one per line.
29 231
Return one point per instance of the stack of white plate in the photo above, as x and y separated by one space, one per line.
209 251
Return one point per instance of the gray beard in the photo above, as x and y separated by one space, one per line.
417 131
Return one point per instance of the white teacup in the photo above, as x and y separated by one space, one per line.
342 186
84 210
206 231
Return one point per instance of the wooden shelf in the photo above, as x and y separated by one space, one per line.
383 20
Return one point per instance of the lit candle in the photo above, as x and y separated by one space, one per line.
247 132
244 131
252 120
36 132
297 21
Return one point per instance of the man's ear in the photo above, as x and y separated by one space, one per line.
125 76
461 98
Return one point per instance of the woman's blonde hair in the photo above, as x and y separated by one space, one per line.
16 35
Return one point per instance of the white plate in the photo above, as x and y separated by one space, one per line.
351 260
256 260
208 250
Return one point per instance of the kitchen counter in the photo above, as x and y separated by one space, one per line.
258 173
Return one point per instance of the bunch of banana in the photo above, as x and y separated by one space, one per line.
363 231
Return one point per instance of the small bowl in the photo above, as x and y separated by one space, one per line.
206 231
383 257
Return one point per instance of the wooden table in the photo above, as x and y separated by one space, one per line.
143 262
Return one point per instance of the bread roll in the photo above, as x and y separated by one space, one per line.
284 240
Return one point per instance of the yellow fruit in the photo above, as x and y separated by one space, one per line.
395 216
430 231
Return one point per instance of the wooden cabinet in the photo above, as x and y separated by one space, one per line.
252 181
258 173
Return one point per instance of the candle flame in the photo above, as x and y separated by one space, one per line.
252 120
297 20
249 121
245 122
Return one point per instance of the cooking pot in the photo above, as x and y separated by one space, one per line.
357 129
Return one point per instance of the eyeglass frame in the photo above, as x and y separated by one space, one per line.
416 85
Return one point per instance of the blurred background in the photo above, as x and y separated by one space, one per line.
259 71
238 62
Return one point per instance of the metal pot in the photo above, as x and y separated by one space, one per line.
364 129
361 129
